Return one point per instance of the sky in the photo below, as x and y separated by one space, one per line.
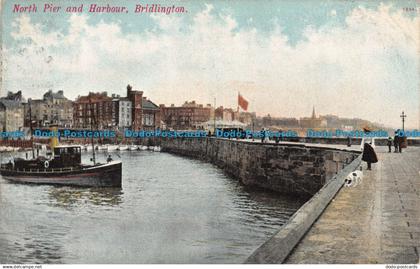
345 57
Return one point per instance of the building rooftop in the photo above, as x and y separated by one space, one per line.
54 95
147 104
9 103
14 96
34 101
93 97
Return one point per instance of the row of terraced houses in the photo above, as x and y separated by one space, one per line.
98 110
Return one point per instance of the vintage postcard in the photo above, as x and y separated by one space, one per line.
209 132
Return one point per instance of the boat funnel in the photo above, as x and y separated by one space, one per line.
54 138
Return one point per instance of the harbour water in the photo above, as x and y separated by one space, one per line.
170 210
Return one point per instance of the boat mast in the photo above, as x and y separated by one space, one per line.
91 129
30 128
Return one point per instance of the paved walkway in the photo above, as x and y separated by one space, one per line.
377 221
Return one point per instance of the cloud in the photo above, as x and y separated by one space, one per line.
366 68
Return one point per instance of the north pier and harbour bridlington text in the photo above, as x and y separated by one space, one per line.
98 8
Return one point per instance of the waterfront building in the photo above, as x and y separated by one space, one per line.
136 98
131 112
96 110
11 115
122 112
59 108
267 121
150 115
249 118
218 113
35 110
53 109
225 114
281 122
188 116
135 111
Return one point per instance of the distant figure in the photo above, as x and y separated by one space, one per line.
263 135
266 136
396 141
389 143
400 143
109 159
348 141
369 155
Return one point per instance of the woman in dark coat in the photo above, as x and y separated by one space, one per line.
369 155
396 142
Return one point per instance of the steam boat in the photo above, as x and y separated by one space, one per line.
65 168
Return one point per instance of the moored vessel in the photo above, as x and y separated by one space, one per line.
65 168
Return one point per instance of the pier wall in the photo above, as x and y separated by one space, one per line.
285 168
280 245
312 140
343 141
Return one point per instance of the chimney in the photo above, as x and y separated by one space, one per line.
129 88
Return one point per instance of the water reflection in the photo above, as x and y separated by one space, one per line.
36 247
170 210
68 197
31 248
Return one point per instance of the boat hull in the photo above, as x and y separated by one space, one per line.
104 175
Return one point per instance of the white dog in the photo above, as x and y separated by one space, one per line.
354 178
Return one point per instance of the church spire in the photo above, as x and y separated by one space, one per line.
313 112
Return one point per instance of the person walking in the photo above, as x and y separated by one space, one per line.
396 141
389 143
348 141
400 143
369 155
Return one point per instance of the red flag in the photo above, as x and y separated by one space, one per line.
242 102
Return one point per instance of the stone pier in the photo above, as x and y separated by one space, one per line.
377 221
289 168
